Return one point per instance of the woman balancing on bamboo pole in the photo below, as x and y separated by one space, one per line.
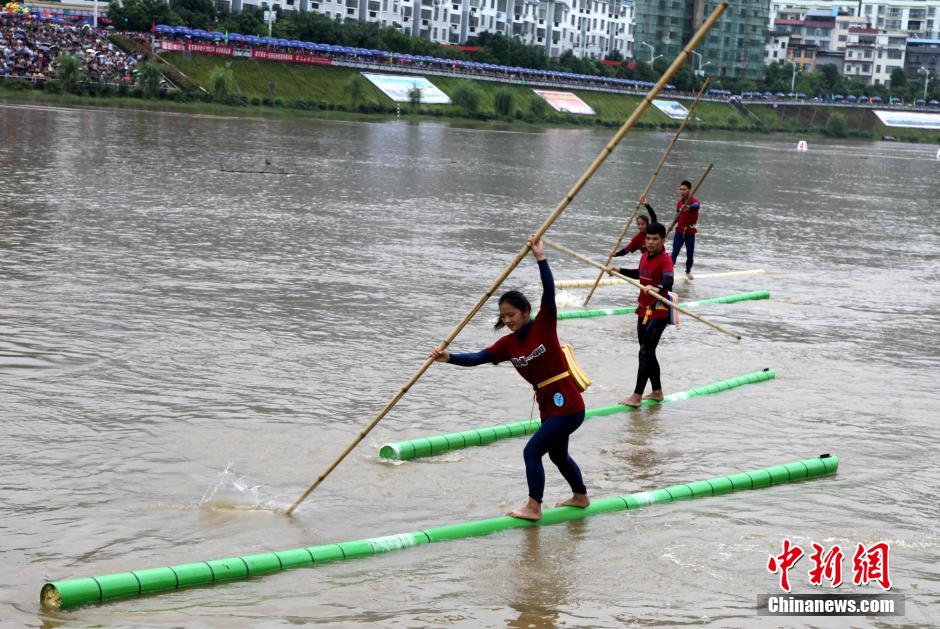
656 276
569 197
536 354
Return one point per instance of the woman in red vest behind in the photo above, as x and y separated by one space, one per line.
536 354
638 242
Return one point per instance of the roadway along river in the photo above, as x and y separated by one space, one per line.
183 347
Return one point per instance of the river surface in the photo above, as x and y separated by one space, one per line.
184 348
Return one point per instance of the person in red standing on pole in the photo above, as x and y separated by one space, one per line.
536 354
657 276
687 209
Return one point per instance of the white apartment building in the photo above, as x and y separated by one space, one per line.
860 53
589 28
843 23
857 33
776 49
890 47
917 18
873 54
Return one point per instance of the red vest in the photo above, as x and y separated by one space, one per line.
651 274
538 358
688 217
637 243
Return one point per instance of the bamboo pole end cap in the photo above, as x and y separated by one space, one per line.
49 597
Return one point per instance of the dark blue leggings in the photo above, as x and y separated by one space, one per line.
677 241
552 437
648 334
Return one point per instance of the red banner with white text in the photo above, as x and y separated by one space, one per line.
287 57
206 49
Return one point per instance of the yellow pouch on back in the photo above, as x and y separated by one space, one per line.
574 370
580 378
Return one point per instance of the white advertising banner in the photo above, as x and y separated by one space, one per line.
671 108
565 102
912 119
398 87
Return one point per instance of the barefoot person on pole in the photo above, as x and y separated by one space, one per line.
656 276
536 354
687 209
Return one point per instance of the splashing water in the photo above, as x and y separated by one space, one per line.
567 299
233 491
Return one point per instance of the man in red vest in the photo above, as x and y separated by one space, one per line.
657 276
687 208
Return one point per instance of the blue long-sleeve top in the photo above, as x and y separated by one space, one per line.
548 308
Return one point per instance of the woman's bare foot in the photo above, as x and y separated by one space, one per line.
688 276
634 400
654 395
576 500
531 510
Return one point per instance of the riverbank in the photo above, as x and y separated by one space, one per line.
265 88
305 87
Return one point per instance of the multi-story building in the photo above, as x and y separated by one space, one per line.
797 35
776 50
890 47
923 53
843 23
866 51
917 18
872 54
819 29
860 53
734 48
588 28
621 25
802 54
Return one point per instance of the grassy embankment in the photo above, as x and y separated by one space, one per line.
273 88
286 84
323 87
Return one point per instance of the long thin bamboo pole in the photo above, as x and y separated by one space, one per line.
565 202
575 254
648 188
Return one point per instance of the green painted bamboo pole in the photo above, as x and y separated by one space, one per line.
438 444
600 312
73 592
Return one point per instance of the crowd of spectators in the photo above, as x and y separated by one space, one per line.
30 46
